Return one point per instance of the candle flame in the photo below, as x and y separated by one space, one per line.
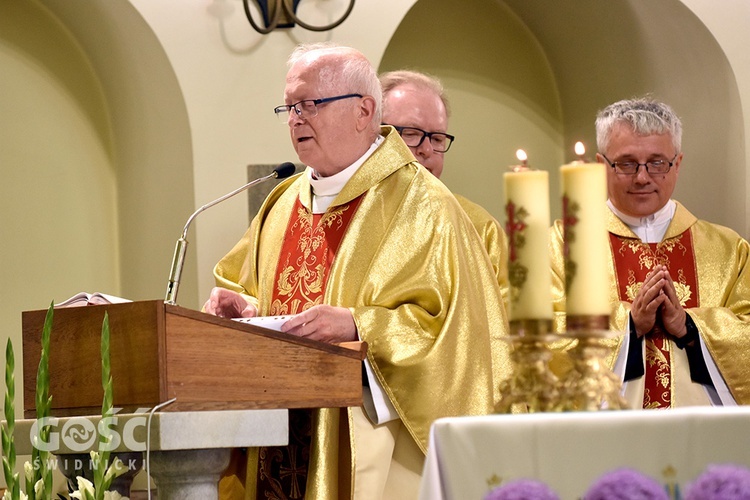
580 149
521 155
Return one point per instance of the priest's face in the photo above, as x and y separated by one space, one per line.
410 106
325 135
642 193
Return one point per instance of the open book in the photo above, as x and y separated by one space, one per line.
91 299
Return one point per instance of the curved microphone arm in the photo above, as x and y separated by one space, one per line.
178 260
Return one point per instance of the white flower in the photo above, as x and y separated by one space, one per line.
39 488
115 469
6 496
113 495
28 471
85 489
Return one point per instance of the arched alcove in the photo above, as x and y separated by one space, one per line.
502 90
95 154
559 63
118 79
58 194
151 137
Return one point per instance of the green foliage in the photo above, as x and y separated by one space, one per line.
9 449
103 474
102 480
39 476
39 480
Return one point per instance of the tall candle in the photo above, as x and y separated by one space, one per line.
586 246
527 226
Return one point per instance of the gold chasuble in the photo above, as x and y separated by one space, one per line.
420 286
709 266
494 238
308 250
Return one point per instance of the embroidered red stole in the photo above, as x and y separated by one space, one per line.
633 261
307 252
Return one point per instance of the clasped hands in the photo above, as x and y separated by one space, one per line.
322 322
657 304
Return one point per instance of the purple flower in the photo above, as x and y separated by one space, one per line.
626 484
721 482
522 489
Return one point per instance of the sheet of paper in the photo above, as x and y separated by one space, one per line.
270 322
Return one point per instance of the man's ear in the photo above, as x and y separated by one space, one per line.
365 112
677 163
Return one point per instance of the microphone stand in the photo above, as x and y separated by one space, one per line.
178 260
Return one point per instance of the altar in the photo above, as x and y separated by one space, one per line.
468 456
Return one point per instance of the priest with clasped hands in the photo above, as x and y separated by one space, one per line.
680 286
366 244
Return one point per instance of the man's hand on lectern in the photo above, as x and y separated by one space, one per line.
228 304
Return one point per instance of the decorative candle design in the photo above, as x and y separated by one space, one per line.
527 210
586 247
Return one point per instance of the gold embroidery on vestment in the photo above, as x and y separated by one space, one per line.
306 276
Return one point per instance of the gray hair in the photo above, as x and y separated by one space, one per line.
393 79
644 115
354 75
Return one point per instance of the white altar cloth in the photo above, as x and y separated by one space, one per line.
468 456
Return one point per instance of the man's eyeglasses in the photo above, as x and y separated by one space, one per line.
631 167
308 107
413 137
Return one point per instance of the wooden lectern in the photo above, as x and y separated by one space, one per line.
160 351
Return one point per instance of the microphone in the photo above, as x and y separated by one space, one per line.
178 261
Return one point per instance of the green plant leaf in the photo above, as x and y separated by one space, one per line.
6 431
101 484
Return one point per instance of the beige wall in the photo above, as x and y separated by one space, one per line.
728 24
601 52
121 117
151 137
58 185
532 74
502 91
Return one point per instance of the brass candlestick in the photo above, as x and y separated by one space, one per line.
533 387
590 385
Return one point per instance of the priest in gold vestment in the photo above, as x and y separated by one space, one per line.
366 244
416 105
680 286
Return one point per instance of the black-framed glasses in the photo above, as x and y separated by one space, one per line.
631 167
413 137
307 108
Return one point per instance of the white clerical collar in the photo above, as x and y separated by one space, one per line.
325 189
652 228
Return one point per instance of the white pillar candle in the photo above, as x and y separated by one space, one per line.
586 246
528 220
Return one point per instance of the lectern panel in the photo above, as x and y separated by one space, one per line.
75 359
160 351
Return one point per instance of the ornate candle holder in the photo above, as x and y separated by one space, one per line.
590 385
533 387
